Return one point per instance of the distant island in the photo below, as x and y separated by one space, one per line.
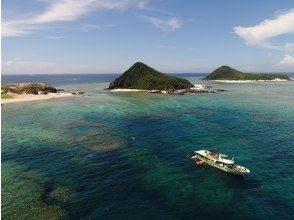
20 92
142 78
228 73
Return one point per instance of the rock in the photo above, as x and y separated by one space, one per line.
32 91
198 88
179 92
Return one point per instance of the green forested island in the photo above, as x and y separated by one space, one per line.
228 73
141 76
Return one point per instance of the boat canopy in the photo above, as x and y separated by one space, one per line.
216 156
226 161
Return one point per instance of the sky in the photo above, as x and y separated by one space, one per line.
172 36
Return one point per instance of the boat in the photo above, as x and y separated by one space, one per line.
220 161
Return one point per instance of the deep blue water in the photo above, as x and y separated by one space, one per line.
60 79
63 79
127 156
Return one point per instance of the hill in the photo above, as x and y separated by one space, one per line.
141 76
228 73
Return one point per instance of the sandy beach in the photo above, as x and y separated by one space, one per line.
30 97
250 81
128 90
196 88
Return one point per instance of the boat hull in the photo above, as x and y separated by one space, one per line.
223 168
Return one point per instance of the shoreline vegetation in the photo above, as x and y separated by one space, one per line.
24 92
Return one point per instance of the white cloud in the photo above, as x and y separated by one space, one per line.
20 66
91 26
289 47
54 37
170 24
62 11
87 27
259 35
287 61
12 28
142 4
109 25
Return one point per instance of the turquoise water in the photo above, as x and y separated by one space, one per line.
120 155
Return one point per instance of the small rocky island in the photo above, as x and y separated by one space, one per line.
27 88
20 92
141 77
226 73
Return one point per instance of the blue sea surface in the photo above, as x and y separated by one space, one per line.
110 155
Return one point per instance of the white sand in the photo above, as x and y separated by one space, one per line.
30 97
248 81
197 87
129 90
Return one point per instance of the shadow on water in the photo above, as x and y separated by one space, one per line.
244 182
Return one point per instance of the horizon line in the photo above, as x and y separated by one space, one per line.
22 74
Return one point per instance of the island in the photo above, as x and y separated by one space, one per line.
21 92
226 73
142 78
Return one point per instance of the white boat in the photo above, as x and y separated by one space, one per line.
220 161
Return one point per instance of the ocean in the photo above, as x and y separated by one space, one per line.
109 155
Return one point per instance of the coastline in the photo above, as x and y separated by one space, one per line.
128 90
198 88
249 81
30 97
